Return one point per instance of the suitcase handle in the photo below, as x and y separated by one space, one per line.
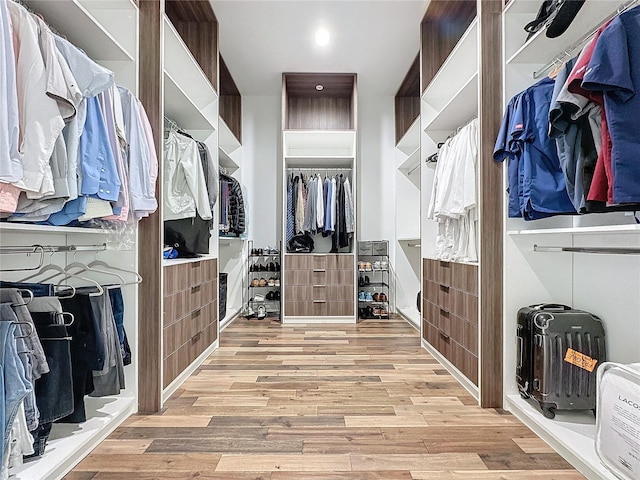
553 306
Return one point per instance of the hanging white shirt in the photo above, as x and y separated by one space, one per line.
349 207
10 158
320 203
40 119
185 191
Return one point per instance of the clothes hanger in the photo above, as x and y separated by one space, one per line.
60 271
100 263
89 268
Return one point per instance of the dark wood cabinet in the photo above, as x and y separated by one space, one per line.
190 317
319 285
450 313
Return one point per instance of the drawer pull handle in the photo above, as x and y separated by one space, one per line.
319 270
444 288
444 313
444 335
196 314
319 301
319 286
195 289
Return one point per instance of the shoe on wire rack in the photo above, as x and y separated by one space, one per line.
258 298
368 297
250 313
362 296
262 312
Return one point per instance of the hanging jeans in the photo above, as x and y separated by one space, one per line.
54 391
14 385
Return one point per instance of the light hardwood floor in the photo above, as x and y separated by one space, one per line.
327 402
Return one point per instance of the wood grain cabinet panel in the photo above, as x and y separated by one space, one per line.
319 285
450 312
190 314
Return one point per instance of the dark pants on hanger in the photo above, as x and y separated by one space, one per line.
87 350
38 289
54 390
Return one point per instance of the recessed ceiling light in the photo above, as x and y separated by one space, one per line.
319 87
322 37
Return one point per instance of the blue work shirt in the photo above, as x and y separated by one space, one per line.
614 69
99 171
507 149
540 180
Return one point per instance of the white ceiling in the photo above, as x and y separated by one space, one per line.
261 39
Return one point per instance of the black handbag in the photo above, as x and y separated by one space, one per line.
189 236
557 15
301 244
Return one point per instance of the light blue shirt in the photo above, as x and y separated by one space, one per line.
99 171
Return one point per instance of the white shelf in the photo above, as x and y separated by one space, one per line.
412 161
539 49
572 434
608 229
6 227
409 239
179 261
410 141
185 82
460 66
179 107
227 141
319 144
105 30
70 443
319 162
461 108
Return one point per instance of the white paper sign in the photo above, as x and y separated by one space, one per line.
618 437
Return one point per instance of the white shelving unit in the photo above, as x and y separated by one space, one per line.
108 32
606 285
449 101
322 151
190 100
407 256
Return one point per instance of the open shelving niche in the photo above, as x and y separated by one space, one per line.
322 150
407 219
190 100
449 101
570 278
107 31
232 249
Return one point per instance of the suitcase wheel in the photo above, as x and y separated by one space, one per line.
549 412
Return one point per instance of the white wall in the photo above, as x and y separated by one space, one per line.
376 169
262 174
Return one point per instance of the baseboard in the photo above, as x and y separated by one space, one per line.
319 320
229 318
451 368
180 379
406 313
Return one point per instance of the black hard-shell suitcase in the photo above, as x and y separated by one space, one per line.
559 349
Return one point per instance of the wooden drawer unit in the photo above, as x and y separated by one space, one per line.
190 314
319 285
450 309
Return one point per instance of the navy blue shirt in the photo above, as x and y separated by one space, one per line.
614 69
524 136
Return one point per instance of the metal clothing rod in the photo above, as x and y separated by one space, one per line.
172 123
580 43
307 169
52 248
604 250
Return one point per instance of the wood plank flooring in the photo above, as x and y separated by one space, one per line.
329 402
